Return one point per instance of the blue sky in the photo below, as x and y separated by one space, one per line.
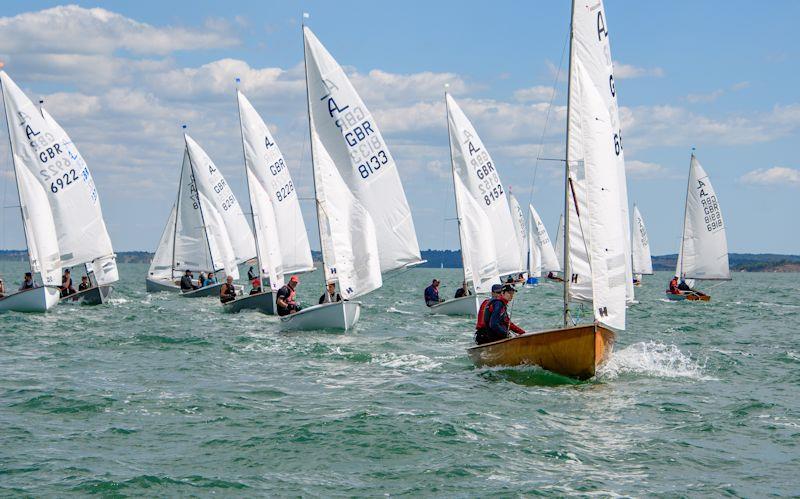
121 80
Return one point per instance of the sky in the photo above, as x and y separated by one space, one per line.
122 79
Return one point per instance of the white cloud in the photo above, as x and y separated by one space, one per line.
708 97
643 169
539 93
622 71
777 175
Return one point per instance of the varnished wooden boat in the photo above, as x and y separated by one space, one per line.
688 297
573 351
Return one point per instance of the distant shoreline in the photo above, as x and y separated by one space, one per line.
739 262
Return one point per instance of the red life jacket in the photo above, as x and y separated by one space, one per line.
481 322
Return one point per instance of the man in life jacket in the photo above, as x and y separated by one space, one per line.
227 292
285 298
497 324
480 324
673 286
432 293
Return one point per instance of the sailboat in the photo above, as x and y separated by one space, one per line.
541 255
486 230
363 218
642 261
559 250
206 230
704 248
521 230
280 235
595 199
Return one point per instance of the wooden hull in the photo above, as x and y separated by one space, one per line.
92 296
341 315
466 305
688 297
203 292
39 299
263 302
574 351
158 285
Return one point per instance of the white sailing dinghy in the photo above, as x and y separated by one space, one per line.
477 236
642 261
559 250
206 230
34 150
278 228
594 185
521 230
82 234
541 255
703 254
363 218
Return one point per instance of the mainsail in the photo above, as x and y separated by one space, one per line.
478 174
560 242
267 164
348 234
518 218
351 138
704 247
162 264
642 262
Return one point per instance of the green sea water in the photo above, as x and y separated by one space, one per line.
157 395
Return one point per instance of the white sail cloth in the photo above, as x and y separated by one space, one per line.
267 164
479 176
534 255
162 264
265 229
591 48
560 242
642 261
518 218
350 136
548 261
191 245
704 247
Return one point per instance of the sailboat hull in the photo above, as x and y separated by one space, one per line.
39 299
203 292
689 297
158 285
341 315
92 296
466 305
263 302
574 351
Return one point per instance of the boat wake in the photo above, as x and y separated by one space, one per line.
410 362
393 310
652 359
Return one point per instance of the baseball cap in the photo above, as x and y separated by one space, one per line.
496 288
294 279
509 287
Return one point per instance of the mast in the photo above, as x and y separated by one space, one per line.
249 198
685 210
453 170
311 143
177 210
16 178
567 181
199 206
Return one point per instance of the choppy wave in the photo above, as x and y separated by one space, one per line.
652 359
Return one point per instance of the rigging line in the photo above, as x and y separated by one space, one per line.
547 116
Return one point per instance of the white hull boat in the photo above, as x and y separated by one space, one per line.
340 315
157 285
263 302
39 299
92 296
466 305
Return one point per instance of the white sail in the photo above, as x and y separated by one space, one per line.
479 175
349 238
548 257
560 242
534 254
267 163
265 231
518 218
350 135
218 204
191 248
704 247
580 268
591 48
161 266
642 262
31 146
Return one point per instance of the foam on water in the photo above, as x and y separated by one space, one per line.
651 359
407 361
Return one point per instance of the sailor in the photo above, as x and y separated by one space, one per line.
251 274
497 324
84 285
686 290
673 286
186 282
432 293
463 290
330 295
66 284
510 280
227 292
201 280
210 280
285 299
255 286
27 283
479 324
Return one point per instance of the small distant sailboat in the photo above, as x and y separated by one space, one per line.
595 202
206 230
541 255
703 254
559 250
642 261
521 230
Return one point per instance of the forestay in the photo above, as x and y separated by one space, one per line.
548 258
592 49
704 247
642 262
518 218
350 136
478 173
267 164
